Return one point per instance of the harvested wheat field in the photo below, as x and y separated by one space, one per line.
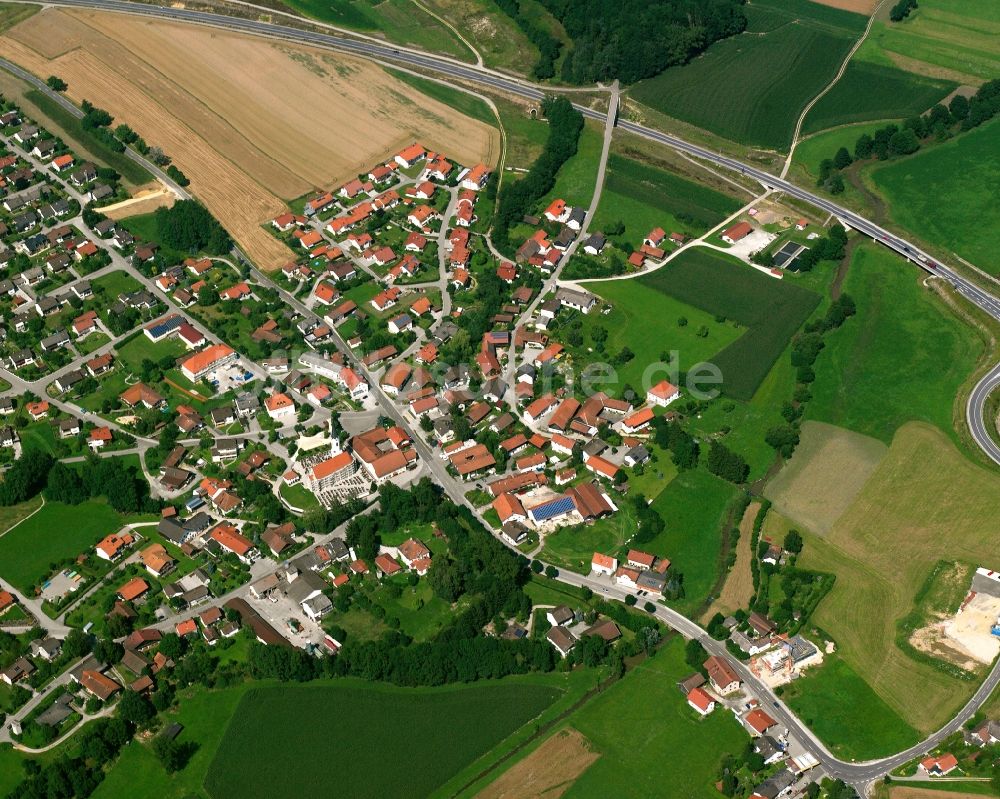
252 123
737 591
548 772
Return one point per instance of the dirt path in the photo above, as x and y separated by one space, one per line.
738 588
143 202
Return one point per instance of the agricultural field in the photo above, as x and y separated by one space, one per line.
870 91
965 174
738 590
883 548
648 700
647 323
57 531
873 373
643 197
951 790
846 714
443 730
771 310
830 467
398 21
951 39
790 51
268 138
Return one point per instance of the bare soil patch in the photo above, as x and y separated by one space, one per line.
252 123
145 201
907 792
548 772
865 7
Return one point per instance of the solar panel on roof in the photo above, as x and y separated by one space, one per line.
550 510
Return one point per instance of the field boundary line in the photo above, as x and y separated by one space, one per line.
827 88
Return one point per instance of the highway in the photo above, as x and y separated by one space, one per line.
858 774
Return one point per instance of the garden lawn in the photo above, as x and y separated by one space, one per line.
758 82
848 716
647 322
694 508
902 357
642 723
56 532
947 193
442 730
133 352
873 91
772 310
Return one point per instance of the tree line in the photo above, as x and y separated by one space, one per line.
548 45
889 141
517 198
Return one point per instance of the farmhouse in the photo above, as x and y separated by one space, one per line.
721 675
737 232
662 394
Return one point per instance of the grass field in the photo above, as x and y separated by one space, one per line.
924 501
12 515
771 310
400 21
642 723
870 91
577 177
965 174
78 137
284 120
647 323
812 150
496 36
830 467
791 50
847 715
873 374
57 531
694 507
472 107
644 197
953 39
437 731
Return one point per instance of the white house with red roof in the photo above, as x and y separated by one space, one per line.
662 394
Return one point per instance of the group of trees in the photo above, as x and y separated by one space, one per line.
939 123
126 490
684 450
724 463
96 122
516 199
419 505
634 39
187 226
26 477
902 10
